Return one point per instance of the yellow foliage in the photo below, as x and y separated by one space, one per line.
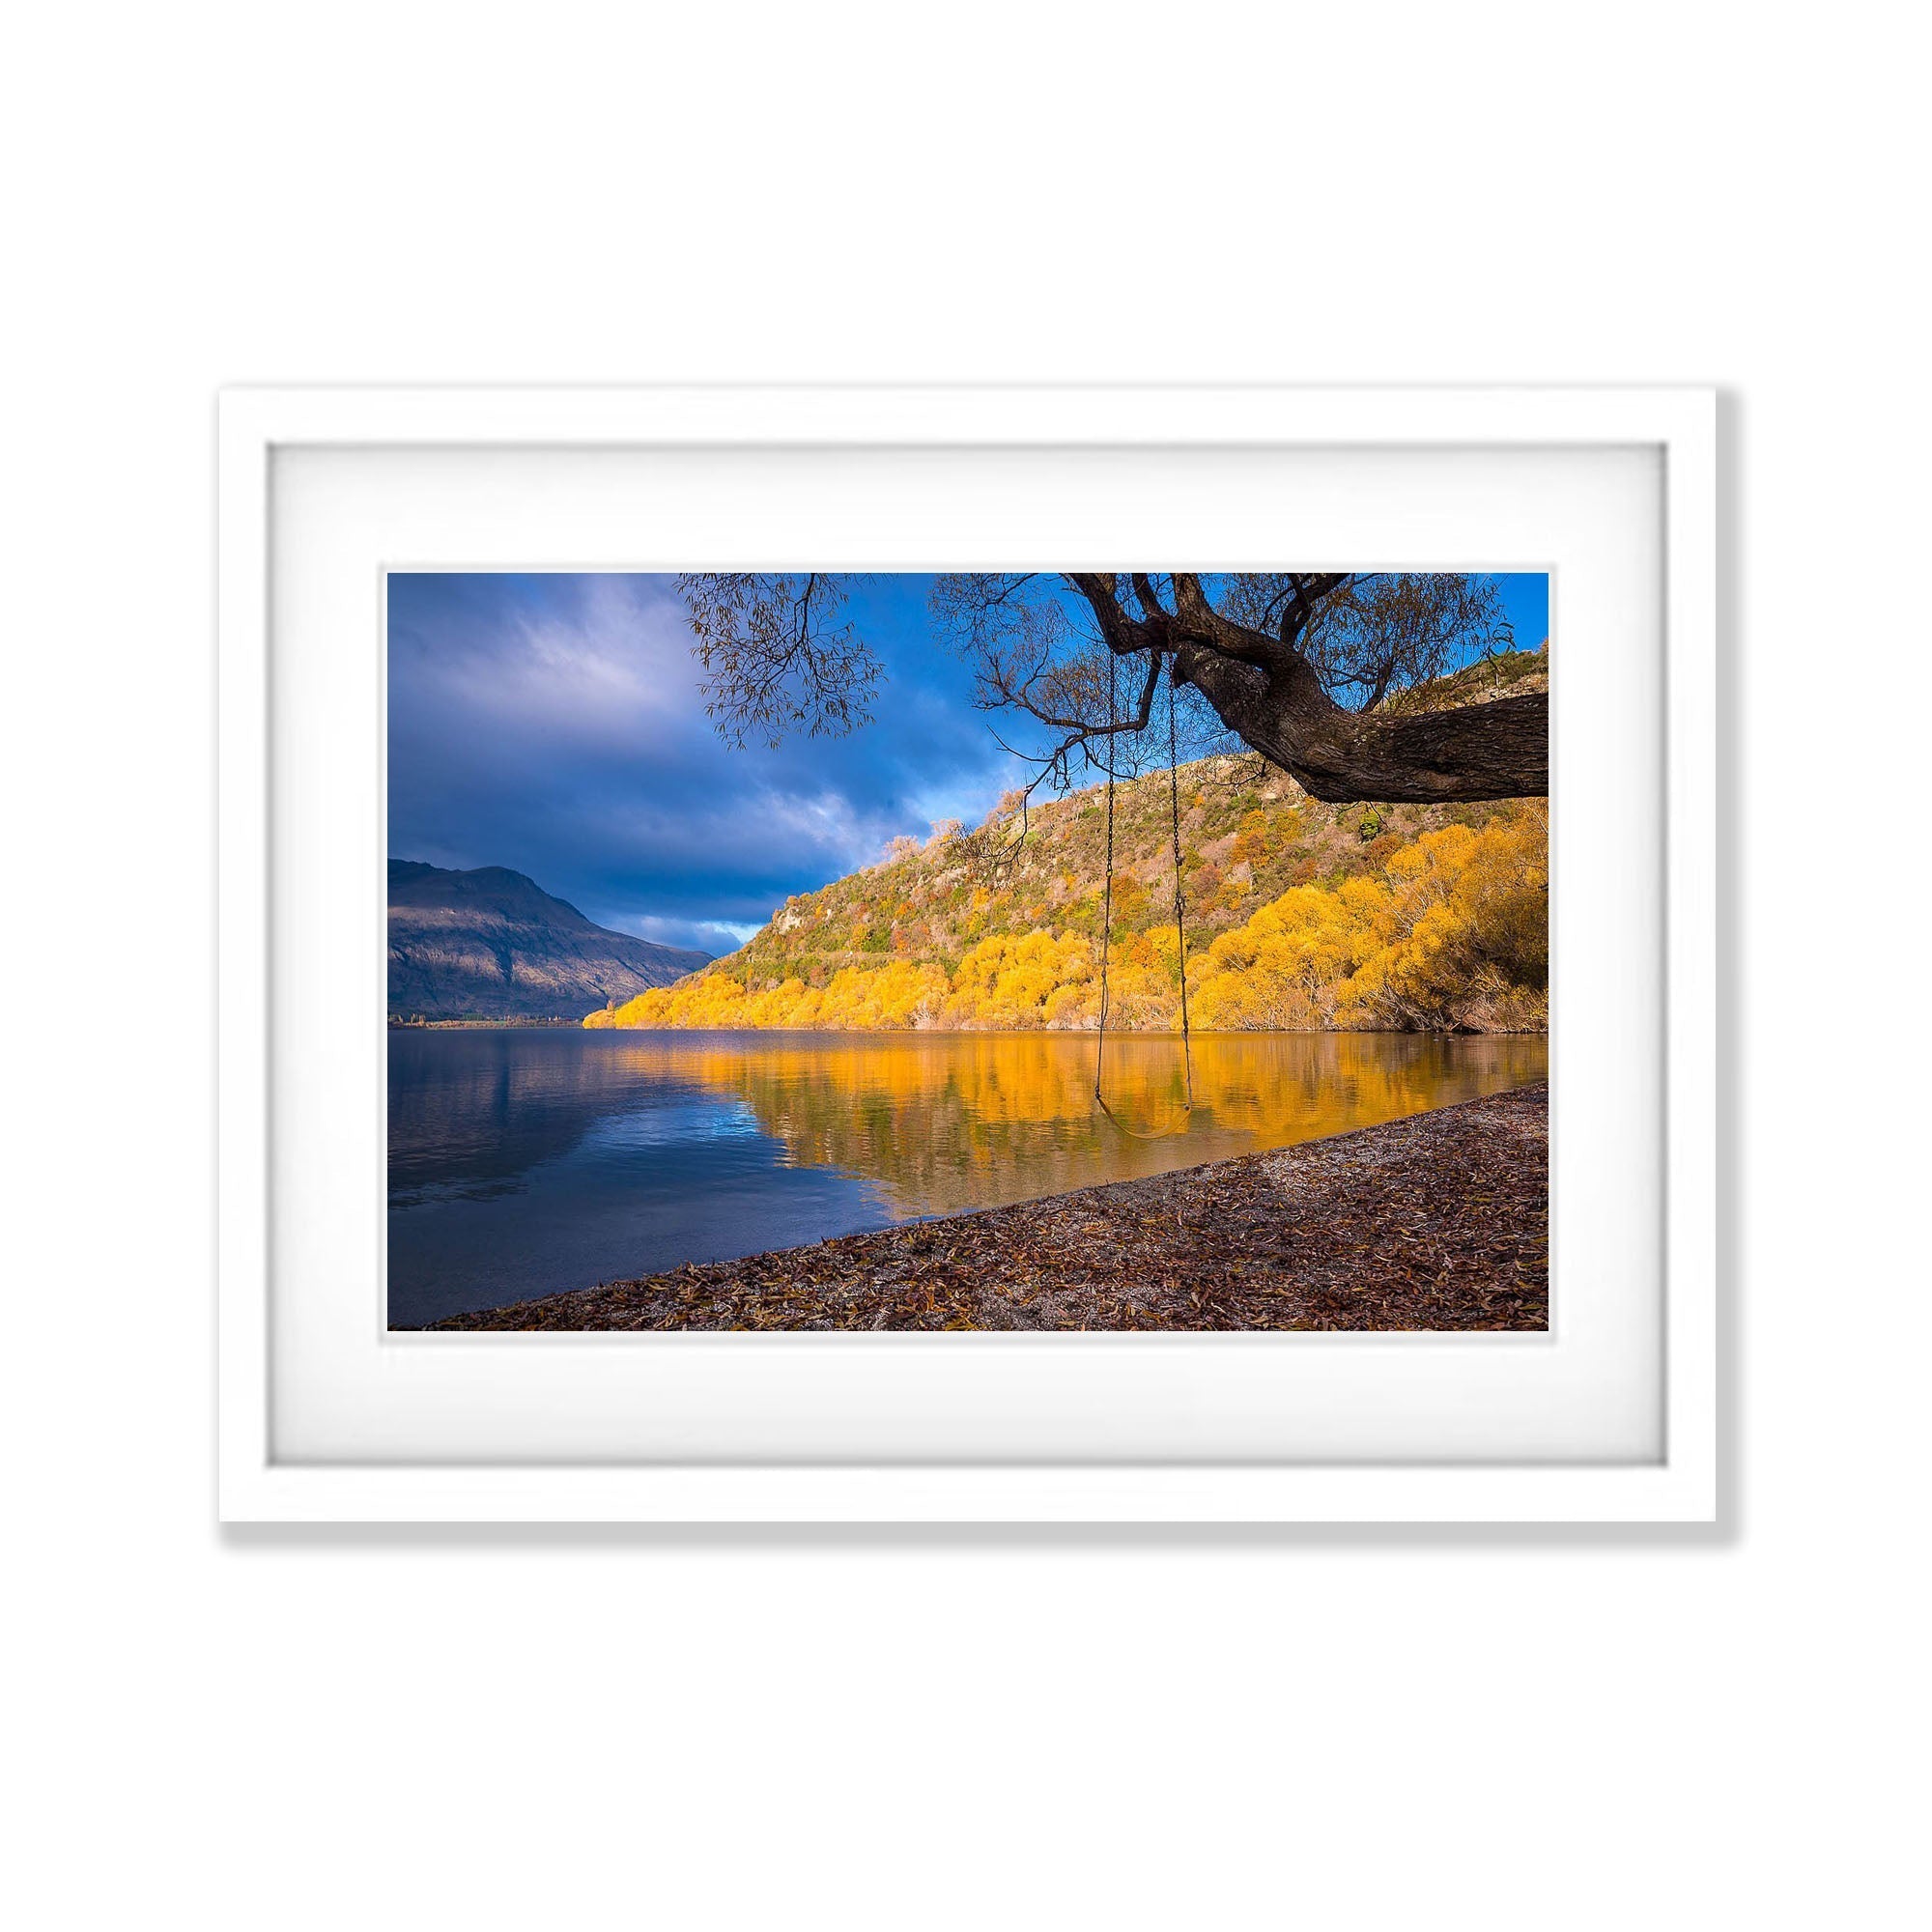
1452 933
1251 844
1006 979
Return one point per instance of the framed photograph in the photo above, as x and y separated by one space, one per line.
968 954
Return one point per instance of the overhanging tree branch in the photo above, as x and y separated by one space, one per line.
1273 657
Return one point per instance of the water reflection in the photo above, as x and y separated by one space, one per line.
523 1162
950 1121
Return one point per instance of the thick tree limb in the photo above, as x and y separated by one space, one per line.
1265 691
1468 753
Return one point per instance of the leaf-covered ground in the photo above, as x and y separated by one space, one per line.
1436 1221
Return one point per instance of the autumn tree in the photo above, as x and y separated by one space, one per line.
1308 668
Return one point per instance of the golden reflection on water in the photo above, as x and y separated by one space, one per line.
941 1123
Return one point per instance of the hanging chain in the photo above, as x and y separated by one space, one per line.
1107 907
1107 889
1179 902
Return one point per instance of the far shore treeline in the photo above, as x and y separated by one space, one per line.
1298 915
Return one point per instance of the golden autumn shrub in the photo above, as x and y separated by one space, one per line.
1453 935
1465 932
1280 970
1007 979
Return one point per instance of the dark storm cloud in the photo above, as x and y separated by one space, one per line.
554 724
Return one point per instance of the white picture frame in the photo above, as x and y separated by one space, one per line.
490 434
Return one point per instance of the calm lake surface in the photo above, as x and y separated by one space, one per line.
527 1161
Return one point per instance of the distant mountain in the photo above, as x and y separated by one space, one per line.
494 944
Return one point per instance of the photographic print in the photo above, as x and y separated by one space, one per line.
1095 950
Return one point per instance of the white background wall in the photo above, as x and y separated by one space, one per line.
1375 1729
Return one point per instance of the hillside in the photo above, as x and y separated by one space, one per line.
1299 914
490 943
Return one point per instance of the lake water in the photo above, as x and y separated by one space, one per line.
527 1161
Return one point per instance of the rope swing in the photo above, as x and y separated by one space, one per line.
1107 914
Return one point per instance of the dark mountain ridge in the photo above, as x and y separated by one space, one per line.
492 944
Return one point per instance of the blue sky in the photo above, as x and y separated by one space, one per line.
552 724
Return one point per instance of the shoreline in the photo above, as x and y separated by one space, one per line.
1439 1220
1114 1031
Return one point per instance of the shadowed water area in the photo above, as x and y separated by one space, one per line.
525 1163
